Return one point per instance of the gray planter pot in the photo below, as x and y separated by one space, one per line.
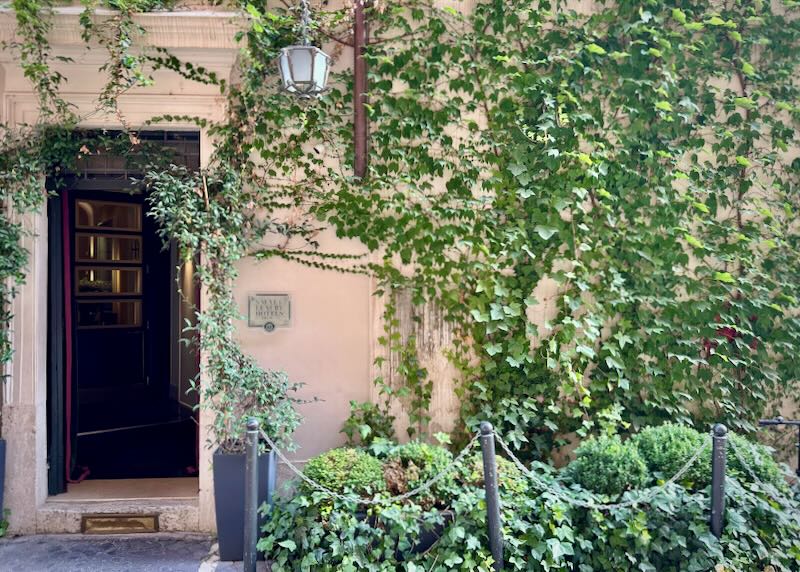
2 474
427 538
229 499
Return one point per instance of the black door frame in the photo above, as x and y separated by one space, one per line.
56 359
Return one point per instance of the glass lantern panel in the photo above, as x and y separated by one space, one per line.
301 63
320 70
286 71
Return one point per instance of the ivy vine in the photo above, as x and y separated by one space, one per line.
639 157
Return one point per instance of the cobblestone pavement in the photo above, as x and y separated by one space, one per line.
117 553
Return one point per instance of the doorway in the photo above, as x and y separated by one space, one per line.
120 400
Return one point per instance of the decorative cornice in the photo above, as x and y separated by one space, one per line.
204 29
23 108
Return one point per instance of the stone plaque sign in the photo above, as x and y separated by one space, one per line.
269 311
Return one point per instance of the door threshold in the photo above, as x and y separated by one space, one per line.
105 490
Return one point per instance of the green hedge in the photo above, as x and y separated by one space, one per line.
608 465
665 449
758 458
670 533
346 470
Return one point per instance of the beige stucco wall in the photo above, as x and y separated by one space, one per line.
328 345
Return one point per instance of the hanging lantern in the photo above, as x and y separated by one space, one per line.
304 68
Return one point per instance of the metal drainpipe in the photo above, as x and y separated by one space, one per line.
360 35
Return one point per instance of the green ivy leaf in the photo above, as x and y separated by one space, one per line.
253 11
692 241
479 316
545 232
724 277
595 49
493 349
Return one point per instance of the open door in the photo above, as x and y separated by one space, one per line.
117 365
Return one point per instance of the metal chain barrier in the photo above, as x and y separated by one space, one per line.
556 489
771 489
378 500
646 495
488 436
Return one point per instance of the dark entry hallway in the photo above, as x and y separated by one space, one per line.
125 299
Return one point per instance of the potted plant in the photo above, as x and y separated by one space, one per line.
244 390
211 216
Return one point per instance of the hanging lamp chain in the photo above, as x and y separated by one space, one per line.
305 21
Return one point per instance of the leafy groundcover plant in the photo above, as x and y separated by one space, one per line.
307 530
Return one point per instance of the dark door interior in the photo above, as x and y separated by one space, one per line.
119 370
127 424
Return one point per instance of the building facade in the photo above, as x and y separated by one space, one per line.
123 307
120 292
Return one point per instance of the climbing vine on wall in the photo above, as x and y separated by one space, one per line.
638 157
21 191
641 159
211 218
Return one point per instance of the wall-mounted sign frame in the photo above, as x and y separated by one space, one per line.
269 311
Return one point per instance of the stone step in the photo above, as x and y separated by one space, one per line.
179 515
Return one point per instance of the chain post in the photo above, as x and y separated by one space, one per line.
251 497
492 494
797 472
718 462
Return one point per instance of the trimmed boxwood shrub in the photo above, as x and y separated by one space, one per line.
758 458
666 448
608 465
347 470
